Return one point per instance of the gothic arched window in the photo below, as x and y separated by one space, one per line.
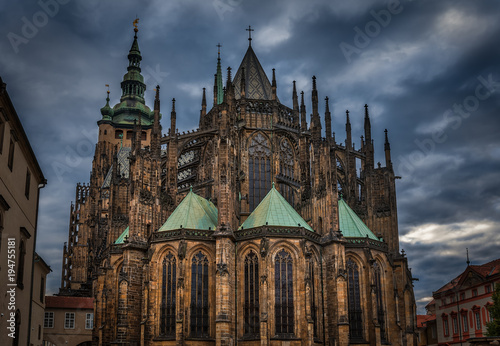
199 295
286 170
283 302
354 300
380 301
259 169
168 294
251 308
314 309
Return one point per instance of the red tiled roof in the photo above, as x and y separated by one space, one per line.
485 270
422 319
69 302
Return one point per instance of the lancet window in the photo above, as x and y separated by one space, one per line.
380 302
314 309
283 301
168 295
251 305
199 295
354 300
286 170
259 169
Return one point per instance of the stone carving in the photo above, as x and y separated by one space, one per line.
264 247
181 251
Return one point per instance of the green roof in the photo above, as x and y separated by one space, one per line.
194 212
274 210
122 236
351 225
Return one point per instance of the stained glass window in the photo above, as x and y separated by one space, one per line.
283 301
168 294
251 308
259 169
354 300
199 295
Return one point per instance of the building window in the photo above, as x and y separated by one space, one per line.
474 293
478 320
20 266
48 321
462 296
89 320
10 162
354 301
168 294
443 301
27 184
69 320
446 327
42 289
199 295
314 309
251 308
455 324
487 288
465 324
286 170
259 169
283 300
380 302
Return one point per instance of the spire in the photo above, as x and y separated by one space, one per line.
218 79
348 140
468 262
133 86
314 97
229 86
295 105
173 117
328 121
156 131
273 85
203 111
315 120
368 128
303 121
387 148
107 111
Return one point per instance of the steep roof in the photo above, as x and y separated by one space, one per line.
351 225
274 210
423 319
123 165
257 85
194 212
69 302
122 236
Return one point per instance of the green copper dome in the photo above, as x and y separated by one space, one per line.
351 225
274 210
194 212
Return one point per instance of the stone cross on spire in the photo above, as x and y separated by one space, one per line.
218 50
249 35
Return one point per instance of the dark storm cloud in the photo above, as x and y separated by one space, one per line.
427 58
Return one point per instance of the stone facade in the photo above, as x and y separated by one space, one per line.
316 282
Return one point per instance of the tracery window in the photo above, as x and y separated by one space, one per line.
286 170
168 295
283 301
199 295
314 309
259 169
380 301
251 308
354 300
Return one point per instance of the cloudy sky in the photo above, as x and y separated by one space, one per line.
429 71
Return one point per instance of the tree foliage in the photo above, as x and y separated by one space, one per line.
493 327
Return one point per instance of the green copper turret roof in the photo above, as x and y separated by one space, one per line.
194 212
351 225
274 210
220 86
121 238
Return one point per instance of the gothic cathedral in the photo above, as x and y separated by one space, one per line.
254 229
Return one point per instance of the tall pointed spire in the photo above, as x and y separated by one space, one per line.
315 119
173 118
387 149
273 85
295 100
303 120
348 140
218 79
368 127
328 121
203 111
156 131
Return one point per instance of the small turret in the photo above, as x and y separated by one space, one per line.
348 140
203 111
107 111
229 86
156 131
295 100
273 86
173 117
368 127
